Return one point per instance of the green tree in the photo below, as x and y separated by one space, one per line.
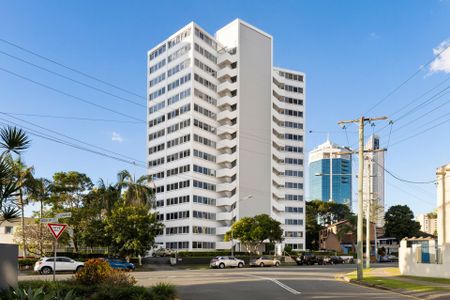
135 191
69 191
132 229
252 232
399 222
13 141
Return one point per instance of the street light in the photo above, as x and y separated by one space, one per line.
231 227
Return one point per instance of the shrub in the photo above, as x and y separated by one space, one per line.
94 272
119 278
106 292
163 291
27 261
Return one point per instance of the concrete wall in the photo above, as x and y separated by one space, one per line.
8 265
255 70
408 263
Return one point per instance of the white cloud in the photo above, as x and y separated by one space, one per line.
442 62
116 137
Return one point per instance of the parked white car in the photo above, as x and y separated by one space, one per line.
226 261
66 264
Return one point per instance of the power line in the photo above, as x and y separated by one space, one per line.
73 80
70 118
71 69
401 179
406 81
69 95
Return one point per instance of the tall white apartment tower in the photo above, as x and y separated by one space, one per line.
373 188
225 136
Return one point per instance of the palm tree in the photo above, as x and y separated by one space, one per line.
12 140
25 181
136 192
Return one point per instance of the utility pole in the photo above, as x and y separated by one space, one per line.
359 244
368 206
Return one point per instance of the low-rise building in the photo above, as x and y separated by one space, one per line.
426 256
8 229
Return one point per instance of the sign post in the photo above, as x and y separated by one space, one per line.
56 230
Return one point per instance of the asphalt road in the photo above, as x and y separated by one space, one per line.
302 282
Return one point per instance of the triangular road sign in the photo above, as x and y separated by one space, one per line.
57 229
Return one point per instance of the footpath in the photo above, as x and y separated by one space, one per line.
416 287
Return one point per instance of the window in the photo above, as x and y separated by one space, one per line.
177 230
157 93
204 155
159 203
178 155
156 148
291 76
205 53
156 162
178 141
179 111
177 245
293 173
292 100
290 209
157 52
156 121
8 229
204 111
156 107
203 245
204 126
178 185
179 82
203 230
293 149
298 246
157 66
181 66
205 38
158 175
204 185
204 200
293 222
293 197
178 126
180 52
204 141
294 89
203 215
178 97
293 185
157 79
293 234
205 68
205 82
177 200
293 161
205 97
160 217
293 125
176 40
178 170
205 171
155 135
177 215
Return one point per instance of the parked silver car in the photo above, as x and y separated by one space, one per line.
265 261
222 262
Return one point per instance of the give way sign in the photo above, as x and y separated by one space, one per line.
57 229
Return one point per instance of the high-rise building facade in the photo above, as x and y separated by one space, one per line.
330 183
225 136
373 184
428 223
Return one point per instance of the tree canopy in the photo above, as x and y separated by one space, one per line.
400 223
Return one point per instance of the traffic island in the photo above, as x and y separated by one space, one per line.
390 279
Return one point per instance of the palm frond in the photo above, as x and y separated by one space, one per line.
14 139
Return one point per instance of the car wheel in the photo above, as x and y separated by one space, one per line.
240 265
222 265
46 270
79 269
261 265
277 264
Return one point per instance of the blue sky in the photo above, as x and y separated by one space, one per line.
353 52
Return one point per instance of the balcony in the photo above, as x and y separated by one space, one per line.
222 230
224 216
226 86
227 100
223 245
226 58
226 172
226 144
226 115
278 206
225 187
230 129
226 72
226 157
226 201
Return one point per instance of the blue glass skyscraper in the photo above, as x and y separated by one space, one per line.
333 183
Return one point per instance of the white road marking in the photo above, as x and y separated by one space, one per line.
287 288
